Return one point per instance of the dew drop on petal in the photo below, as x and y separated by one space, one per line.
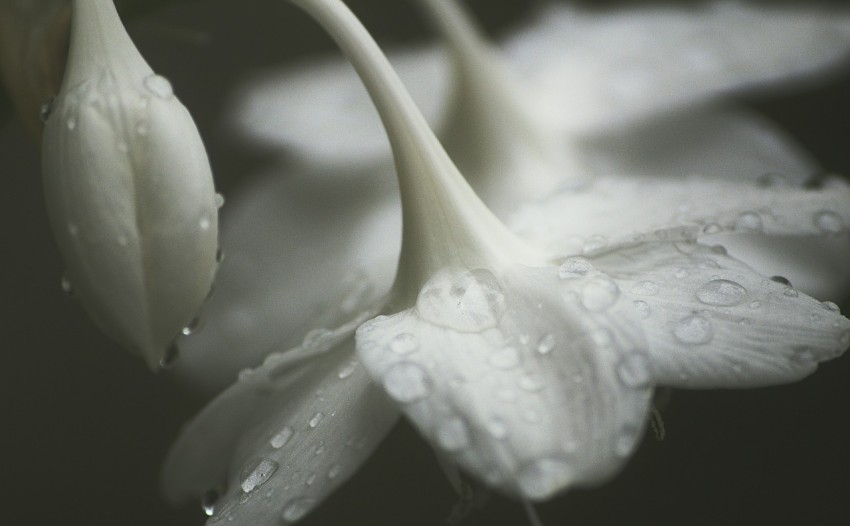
404 343
602 337
407 382
722 292
681 273
771 180
281 438
316 419
543 477
170 357
831 306
791 293
310 480
497 428
694 329
347 370
504 358
755 304
297 509
256 472
633 370
45 110
159 86
208 500
829 222
219 200
574 267
191 327
711 228
67 287
547 344
782 280
205 223
749 221
453 434
645 288
334 471
599 294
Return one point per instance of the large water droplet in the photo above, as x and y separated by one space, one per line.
829 222
407 382
782 280
599 294
547 344
722 292
320 448
543 477
473 302
404 343
831 306
574 267
191 327
453 434
694 329
257 472
633 370
159 86
281 438
316 419
749 221
219 200
297 509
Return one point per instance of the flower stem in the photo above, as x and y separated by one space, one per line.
445 224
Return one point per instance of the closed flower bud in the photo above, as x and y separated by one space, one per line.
129 189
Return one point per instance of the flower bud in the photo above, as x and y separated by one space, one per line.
129 189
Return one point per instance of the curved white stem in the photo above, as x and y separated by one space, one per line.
445 224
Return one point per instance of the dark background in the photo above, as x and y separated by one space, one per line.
85 426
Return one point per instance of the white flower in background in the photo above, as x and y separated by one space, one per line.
129 189
530 367
564 105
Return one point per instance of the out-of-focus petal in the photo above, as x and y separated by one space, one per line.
284 437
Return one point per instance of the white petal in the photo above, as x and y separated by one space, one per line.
300 252
517 381
322 111
621 209
614 67
284 437
712 322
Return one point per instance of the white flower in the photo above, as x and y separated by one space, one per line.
129 189
344 164
529 367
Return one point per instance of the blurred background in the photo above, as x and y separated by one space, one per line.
86 426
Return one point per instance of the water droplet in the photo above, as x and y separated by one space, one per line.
574 267
831 306
473 302
602 337
594 243
347 369
722 292
681 273
749 221
281 437
625 441
310 480
334 471
320 448
316 419
782 280
504 358
803 356
208 500
829 222
694 329
256 472
407 382
599 294
71 123
453 434
643 308
645 288
46 109
791 293
159 86
543 477
531 383
634 371
547 344
67 287
297 509
404 343
205 223
172 353
755 304
219 200
711 228
497 427
191 327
